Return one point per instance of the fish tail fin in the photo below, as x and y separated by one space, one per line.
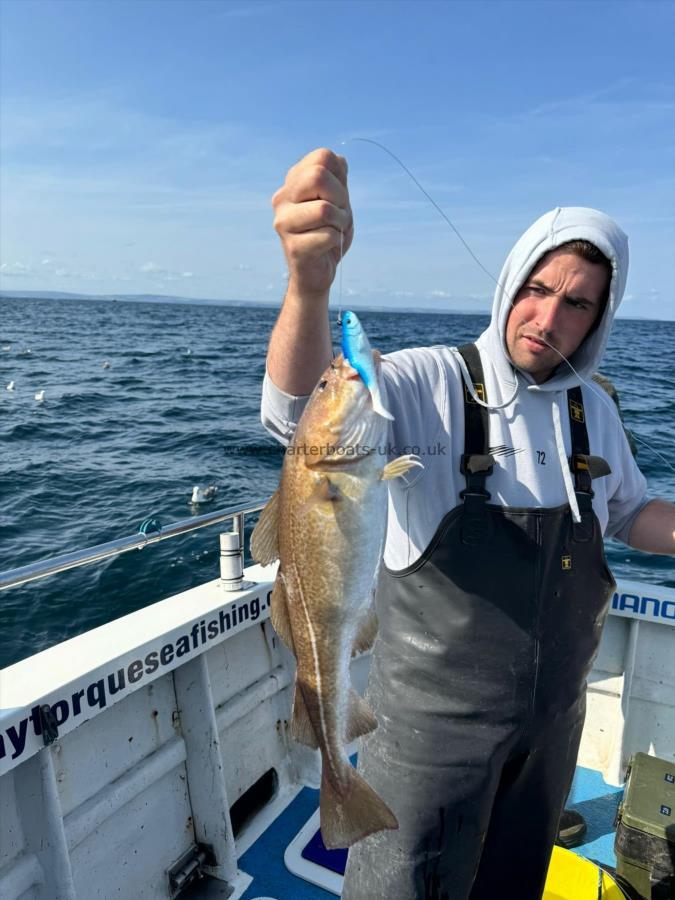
360 719
351 810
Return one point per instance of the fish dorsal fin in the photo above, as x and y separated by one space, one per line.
301 724
279 612
264 540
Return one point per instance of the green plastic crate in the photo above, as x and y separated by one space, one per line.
645 828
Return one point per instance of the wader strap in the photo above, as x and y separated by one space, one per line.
580 464
476 462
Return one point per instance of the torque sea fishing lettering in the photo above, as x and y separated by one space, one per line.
111 686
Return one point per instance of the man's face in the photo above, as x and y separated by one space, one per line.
558 304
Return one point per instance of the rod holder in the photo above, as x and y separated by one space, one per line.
231 560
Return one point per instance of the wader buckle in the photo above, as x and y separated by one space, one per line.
582 474
583 478
475 519
480 464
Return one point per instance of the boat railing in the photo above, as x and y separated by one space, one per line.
151 532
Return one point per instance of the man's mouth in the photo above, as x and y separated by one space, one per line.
535 344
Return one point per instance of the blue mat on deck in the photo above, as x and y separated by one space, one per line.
316 852
590 795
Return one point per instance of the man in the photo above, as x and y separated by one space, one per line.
490 613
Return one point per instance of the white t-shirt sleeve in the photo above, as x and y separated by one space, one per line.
280 412
630 494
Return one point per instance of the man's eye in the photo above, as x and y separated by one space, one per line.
536 290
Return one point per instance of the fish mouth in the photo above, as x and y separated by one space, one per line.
349 372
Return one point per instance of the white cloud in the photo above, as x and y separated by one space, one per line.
158 272
15 270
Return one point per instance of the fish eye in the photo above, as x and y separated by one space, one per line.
322 384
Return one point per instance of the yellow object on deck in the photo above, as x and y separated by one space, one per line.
571 877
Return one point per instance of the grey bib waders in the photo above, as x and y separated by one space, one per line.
478 683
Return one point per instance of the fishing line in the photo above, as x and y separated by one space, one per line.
601 394
341 266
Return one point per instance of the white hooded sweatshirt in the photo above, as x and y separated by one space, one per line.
529 422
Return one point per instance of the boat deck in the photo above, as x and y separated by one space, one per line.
264 858
173 728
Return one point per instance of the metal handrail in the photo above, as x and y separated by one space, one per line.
45 567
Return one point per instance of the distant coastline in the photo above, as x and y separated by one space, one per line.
259 304
195 301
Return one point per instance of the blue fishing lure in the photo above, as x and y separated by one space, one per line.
358 352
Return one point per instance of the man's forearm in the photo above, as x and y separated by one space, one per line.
654 528
300 348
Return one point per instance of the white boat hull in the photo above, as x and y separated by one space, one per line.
138 777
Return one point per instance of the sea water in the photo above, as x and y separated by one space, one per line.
145 400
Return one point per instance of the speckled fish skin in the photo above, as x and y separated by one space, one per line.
330 519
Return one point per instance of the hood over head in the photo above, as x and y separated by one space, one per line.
554 228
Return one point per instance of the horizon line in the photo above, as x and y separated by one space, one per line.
176 300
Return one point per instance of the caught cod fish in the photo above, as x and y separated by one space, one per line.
326 525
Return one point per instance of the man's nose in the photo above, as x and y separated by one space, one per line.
548 313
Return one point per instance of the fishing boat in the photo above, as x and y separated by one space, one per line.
151 757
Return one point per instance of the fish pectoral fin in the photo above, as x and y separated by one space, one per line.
325 491
281 621
361 719
264 539
367 632
301 725
351 810
400 466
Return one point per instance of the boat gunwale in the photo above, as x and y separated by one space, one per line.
76 558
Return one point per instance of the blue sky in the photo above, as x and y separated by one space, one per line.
141 141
